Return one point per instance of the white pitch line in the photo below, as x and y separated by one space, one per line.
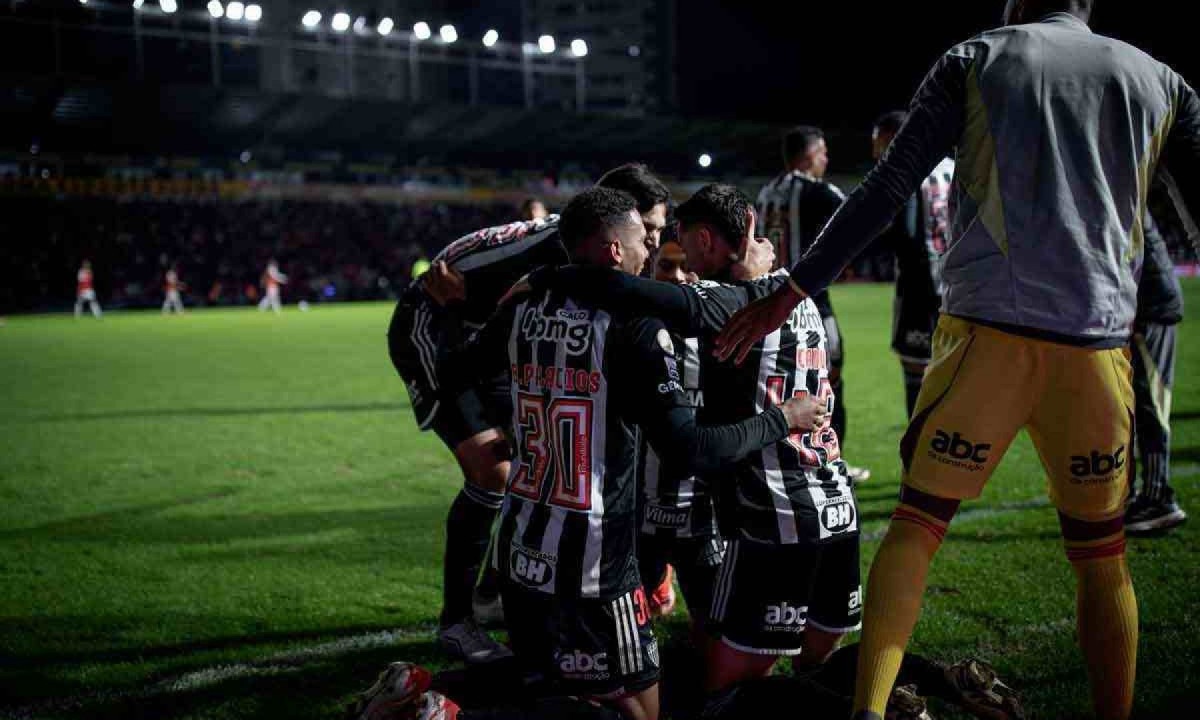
287 661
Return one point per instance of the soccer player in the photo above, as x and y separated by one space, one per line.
1057 132
85 292
174 301
272 279
1153 508
533 209
585 385
792 209
790 505
918 237
457 295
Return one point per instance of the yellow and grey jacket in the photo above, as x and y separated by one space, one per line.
1056 133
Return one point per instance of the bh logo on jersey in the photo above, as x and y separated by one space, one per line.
535 569
1097 468
837 516
571 328
957 451
579 665
785 618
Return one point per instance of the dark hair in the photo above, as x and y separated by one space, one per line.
591 212
799 139
637 180
723 207
890 122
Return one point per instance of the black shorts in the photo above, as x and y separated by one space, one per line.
697 562
416 347
914 318
601 649
767 595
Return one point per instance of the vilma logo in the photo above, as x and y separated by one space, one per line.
957 450
786 616
838 516
530 570
580 663
1098 464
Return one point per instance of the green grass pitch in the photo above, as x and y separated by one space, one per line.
232 515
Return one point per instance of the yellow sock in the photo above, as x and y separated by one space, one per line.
1108 632
894 591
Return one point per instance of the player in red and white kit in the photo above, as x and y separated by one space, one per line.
271 280
174 301
84 292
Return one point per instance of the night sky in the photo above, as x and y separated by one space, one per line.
840 64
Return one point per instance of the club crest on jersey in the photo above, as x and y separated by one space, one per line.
565 328
663 338
530 567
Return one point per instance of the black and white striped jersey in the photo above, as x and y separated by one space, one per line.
795 491
493 259
919 235
792 210
678 503
582 387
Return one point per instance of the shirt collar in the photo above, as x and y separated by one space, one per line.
1065 18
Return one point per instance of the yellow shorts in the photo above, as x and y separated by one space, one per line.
983 385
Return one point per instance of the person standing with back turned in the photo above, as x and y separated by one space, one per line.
1058 132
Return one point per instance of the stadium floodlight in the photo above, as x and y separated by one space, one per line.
253 13
168 6
216 9
449 33
546 44
360 25
235 11
579 48
634 51
490 38
341 22
705 160
137 4
421 31
245 156
83 2
385 26
311 19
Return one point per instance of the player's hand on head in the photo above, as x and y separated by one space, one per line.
754 322
756 257
444 284
805 413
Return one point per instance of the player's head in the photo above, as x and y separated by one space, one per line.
884 131
533 209
670 264
712 224
650 194
804 149
601 226
1019 12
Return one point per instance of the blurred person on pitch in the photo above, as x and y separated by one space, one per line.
454 299
792 209
1153 507
918 238
85 291
271 281
173 286
533 209
1057 133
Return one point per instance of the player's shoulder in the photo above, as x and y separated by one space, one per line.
647 333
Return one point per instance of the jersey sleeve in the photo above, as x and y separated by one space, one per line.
699 309
662 410
935 123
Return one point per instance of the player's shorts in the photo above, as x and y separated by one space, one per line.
590 648
415 345
87 296
697 562
914 320
983 385
768 595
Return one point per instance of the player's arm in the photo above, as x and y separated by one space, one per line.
936 121
1182 153
648 363
688 310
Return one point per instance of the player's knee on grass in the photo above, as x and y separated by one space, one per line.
484 459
